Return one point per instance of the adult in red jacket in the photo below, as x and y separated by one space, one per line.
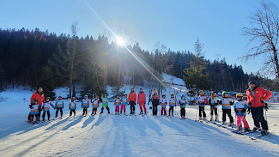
40 97
142 101
256 96
132 98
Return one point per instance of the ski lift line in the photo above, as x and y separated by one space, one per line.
145 65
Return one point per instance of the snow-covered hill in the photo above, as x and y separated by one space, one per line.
119 135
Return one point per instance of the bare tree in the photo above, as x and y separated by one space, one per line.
263 36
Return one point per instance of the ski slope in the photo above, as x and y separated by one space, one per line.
120 135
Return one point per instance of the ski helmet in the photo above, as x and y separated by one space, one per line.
163 95
47 97
183 96
85 95
172 95
154 91
239 95
201 92
73 98
224 93
213 93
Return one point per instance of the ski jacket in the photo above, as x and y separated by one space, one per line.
213 101
163 102
226 103
172 102
59 104
201 101
132 97
259 93
155 99
124 101
85 103
35 109
104 101
182 103
95 103
141 98
240 107
117 102
46 106
39 97
72 106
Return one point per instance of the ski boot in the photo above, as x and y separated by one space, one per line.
200 118
142 113
204 118
101 112
264 132
223 123
238 128
231 124
108 112
247 129
172 113
256 129
211 119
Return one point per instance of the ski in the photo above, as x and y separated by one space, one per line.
260 136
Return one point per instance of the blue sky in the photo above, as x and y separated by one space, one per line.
175 23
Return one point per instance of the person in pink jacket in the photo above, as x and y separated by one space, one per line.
142 101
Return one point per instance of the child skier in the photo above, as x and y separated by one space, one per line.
45 107
201 101
35 107
104 104
213 102
172 103
240 106
226 107
163 103
117 102
124 102
72 107
85 105
59 105
182 104
95 105
155 102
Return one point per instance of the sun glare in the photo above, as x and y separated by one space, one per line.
120 41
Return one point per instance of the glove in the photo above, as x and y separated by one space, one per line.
266 106
243 110
235 110
249 104
30 106
248 110
53 107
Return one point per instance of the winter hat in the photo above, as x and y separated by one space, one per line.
85 95
47 97
140 88
252 82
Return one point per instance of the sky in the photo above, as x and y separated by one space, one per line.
174 23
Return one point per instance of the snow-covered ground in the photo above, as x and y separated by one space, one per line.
119 135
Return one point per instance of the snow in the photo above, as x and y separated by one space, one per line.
119 135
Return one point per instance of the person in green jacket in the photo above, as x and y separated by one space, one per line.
104 103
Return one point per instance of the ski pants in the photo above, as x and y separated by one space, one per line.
123 107
117 109
61 111
243 119
84 110
227 112
171 109
32 116
163 110
94 110
48 115
40 112
132 106
103 108
154 109
213 111
182 112
73 111
201 111
142 106
258 117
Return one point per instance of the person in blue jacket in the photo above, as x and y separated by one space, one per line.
240 106
59 105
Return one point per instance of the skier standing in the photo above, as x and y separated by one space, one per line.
155 102
142 101
124 102
182 104
117 102
95 105
39 96
240 106
45 107
132 98
85 104
35 107
226 102
201 101
104 103
59 105
256 97
172 103
213 102
72 107
163 103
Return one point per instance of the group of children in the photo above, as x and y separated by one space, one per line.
239 105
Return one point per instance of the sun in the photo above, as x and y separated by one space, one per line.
120 41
